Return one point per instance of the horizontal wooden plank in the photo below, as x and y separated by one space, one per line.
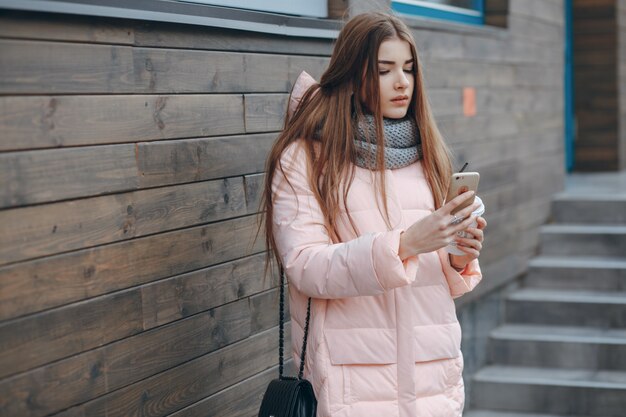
596 154
264 303
43 230
265 112
56 121
45 26
533 29
180 71
27 25
593 40
171 162
55 386
518 146
56 174
51 174
240 400
52 281
121 69
460 130
582 27
254 184
596 57
80 378
596 165
313 65
167 347
184 295
600 119
548 11
35 340
69 68
166 35
190 382
438 73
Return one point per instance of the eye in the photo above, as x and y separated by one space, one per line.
410 70
383 72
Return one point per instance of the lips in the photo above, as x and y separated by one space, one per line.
400 100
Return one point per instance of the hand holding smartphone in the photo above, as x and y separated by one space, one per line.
461 182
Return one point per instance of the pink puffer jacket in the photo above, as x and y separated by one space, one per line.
384 339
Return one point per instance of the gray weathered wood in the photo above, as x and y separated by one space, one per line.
56 121
56 174
43 230
51 174
191 381
194 37
121 69
54 386
164 348
69 68
171 162
82 377
240 400
52 281
265 112
254 184
21 25
35 340
184 295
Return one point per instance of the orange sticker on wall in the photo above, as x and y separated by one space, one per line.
469 101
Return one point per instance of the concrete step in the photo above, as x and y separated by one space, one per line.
602 309
558 347
596 209
583 240
578 392
577 273
496 413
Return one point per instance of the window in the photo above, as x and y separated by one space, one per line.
247 15
311 8
462 11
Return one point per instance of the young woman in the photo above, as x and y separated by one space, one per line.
355 213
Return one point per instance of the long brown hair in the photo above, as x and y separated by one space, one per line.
326 115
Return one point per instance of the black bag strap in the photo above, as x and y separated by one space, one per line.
281 332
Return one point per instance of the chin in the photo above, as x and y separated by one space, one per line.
395 113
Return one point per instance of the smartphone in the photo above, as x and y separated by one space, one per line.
461 182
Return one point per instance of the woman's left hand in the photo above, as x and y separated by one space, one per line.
471 247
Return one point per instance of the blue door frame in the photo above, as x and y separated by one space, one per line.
569 89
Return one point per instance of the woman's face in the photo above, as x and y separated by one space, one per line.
395 71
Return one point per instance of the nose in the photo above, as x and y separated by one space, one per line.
402 82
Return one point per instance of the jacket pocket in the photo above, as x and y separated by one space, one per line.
365 361
437 341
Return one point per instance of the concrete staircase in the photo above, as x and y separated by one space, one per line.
562 348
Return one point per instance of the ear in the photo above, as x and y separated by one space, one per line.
302 84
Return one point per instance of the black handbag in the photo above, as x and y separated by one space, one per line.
289 396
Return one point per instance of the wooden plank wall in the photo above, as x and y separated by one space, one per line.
131 161
621 76
596 85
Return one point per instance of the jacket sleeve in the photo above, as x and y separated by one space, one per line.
367 265
460 282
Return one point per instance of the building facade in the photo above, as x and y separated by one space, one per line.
131 161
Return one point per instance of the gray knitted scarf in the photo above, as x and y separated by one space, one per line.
402 142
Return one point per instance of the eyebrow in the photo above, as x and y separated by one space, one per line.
393 62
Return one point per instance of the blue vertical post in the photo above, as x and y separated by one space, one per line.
479 6
569 89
